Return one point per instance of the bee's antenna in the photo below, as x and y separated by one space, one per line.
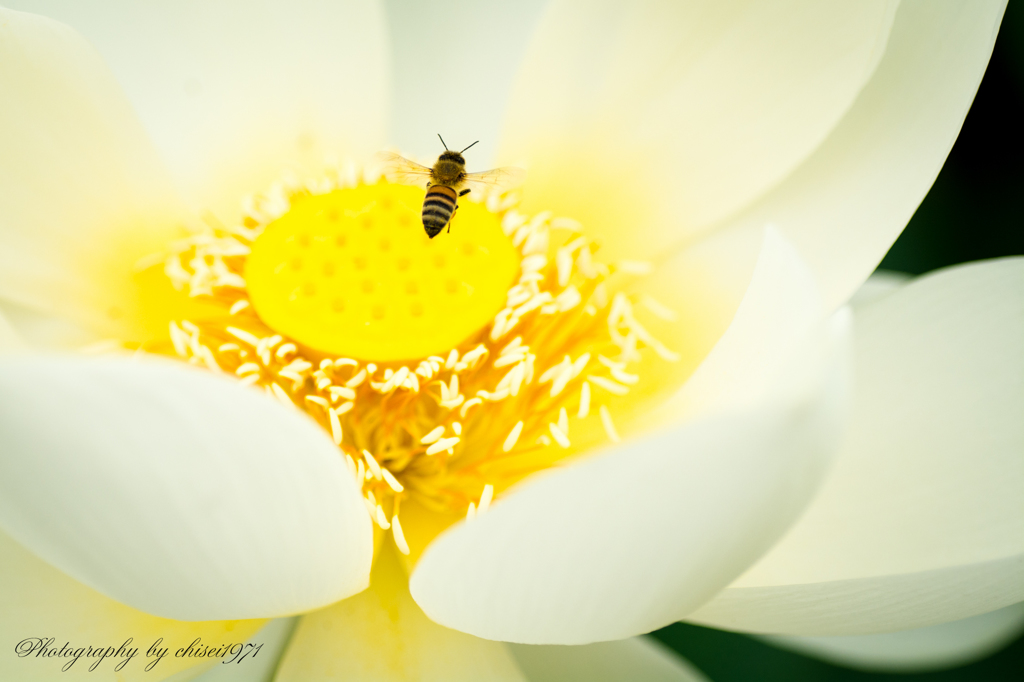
468 147
442 141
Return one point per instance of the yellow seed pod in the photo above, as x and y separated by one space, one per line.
352 273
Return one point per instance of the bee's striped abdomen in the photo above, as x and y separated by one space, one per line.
438 207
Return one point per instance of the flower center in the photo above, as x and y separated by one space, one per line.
353 273
445 370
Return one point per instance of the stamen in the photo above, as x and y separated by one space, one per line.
608 385
342 392
559 437
433 436
485 498
281 395
584 401
513 436
399 535
442 445
244 336
382 519
335 426
372 463
660 310
609 425
314 265
392 482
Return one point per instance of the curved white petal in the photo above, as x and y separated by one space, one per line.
83 194
881 283
636 537
382 636
781 308
38 601
234 92
657 119
844 207
922 518
176 491
459 85
258 662
910 651
638 658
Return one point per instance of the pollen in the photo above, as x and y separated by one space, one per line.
444 370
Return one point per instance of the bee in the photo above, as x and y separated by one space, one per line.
446 182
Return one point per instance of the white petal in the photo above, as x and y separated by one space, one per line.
176 491
636 537
255 663
37 600
83 194
382 636
234 92
639 658
880 284
913 651
651 121
475 49
922 519
845 206
782 305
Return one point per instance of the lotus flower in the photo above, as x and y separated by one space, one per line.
679 425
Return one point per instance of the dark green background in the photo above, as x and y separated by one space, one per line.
973 211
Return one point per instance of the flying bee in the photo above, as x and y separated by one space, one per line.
446 182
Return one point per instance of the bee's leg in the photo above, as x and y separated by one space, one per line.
461 194
452 219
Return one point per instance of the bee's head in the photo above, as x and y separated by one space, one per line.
453 156
449 155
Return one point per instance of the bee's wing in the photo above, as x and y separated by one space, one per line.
497 179
401 170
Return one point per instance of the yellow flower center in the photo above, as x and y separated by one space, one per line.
445 370
353 273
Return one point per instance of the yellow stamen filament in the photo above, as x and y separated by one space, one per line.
433 436
609 425
335 426
382 519
372 463
513 437
563 421
608 385
442 445
559 437
399 535
584 409
485 498
453 401
390 479
280 394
